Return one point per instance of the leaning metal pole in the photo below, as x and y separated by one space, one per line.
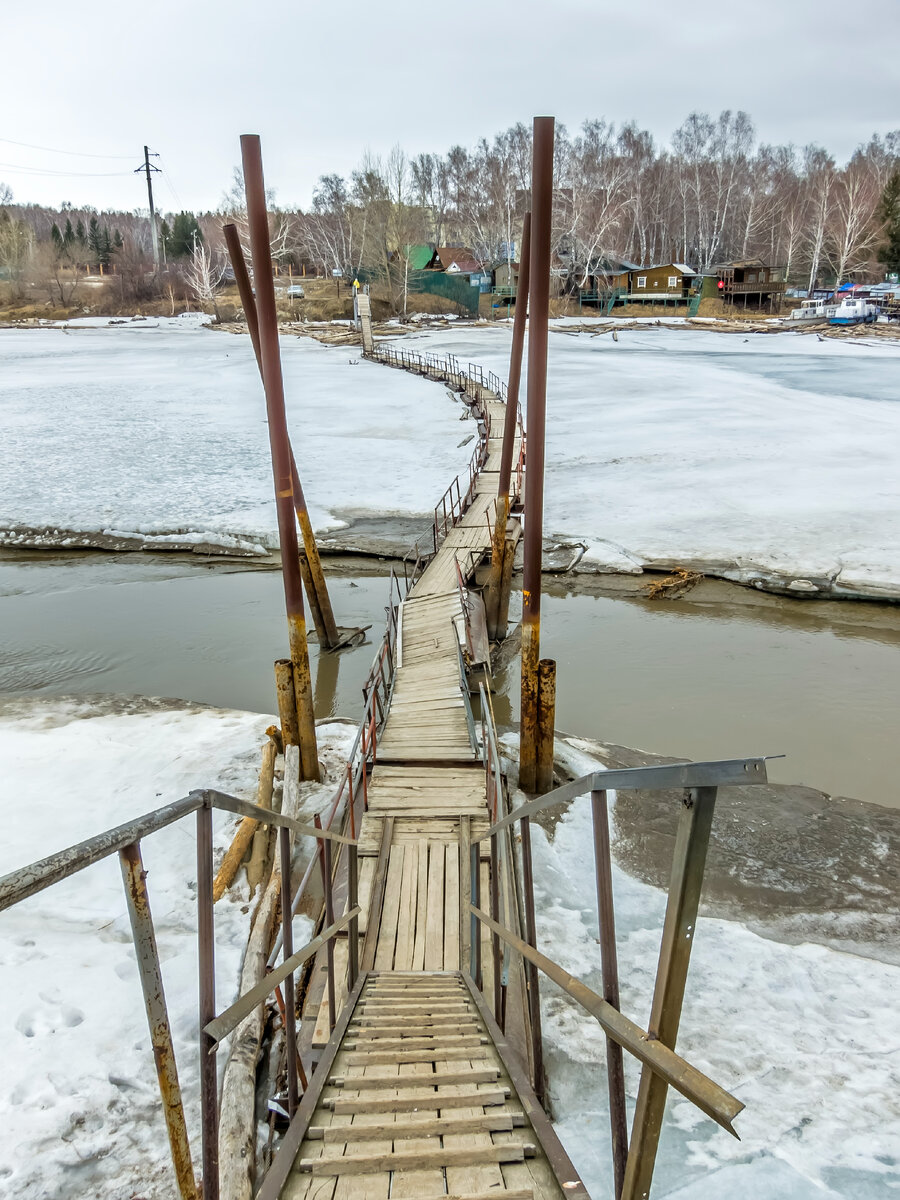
310 563
273 384
510 424
134 877
539 309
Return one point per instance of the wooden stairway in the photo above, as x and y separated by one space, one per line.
418 1095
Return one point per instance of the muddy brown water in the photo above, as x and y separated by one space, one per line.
723 672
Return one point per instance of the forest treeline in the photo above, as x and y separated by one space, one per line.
713 193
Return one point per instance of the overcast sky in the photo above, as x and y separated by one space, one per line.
321 81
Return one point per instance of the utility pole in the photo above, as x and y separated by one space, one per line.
154 235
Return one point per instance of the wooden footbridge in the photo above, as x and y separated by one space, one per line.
409 1041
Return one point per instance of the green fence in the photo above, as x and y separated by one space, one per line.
431 283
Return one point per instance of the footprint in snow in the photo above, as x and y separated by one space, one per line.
48 1017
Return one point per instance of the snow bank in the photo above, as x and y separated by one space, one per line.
800 1034
80 1110
768 458
148 435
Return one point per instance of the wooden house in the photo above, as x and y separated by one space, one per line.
670 280
749 281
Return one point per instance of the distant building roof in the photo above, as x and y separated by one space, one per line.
682 267
611 264
739 264
419 256
459 257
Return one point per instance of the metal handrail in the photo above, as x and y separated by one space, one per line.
654 1048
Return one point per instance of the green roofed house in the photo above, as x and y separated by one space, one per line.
419 257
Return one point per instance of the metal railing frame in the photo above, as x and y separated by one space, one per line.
654 1048
125 840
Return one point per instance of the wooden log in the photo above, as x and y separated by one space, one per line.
287 701
234 856
258 866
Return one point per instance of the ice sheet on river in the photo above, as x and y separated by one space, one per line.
157 437
771 457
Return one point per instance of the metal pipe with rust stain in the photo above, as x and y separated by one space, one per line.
531 971
495 583
615 1069
310 562
134 878
546 725
287 945
209 1101
273 385
539 309
287 701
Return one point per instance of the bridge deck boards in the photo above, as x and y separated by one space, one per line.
417 1036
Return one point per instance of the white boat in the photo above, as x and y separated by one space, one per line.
854 312
814 310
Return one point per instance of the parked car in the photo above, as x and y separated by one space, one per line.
295 292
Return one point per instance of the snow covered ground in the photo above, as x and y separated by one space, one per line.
769 457
802 1034
79 1107
160 431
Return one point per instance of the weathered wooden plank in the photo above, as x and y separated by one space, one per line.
414 1043
387 934
434 920
406 921
435 1079
451 907
447 1054
363 1164
412 1101
409 1125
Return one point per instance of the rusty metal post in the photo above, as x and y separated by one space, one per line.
539 308
615 1070
546 724
476 924
134 878
494 589
325 862
273 384
353 927
209 1101
688 863
287 947
531 970
287 701
495 939
310 563
509 559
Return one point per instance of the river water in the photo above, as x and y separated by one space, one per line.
722 672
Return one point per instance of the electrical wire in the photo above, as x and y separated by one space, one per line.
46 171
73 153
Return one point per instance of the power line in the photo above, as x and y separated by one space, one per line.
47 171
51 150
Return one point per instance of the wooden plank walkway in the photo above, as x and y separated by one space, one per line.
420 1098
419 1102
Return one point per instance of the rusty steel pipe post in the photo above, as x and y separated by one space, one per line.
495 938
273 385
287 701
310 563
679 927
476 924
287 947
353 927
546 723
615 1069
325 863
494 589
509 562
209 1102
539 309
531 970
134 879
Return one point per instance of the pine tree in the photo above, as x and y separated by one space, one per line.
184 236
68 233
117 241
79 234
95 240
889 213
56 238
